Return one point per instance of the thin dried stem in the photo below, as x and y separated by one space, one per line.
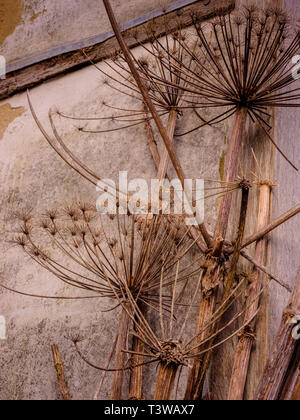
60 372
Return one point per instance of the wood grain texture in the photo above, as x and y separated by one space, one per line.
247 338
285 344
291 389
60 373
30 76
285 244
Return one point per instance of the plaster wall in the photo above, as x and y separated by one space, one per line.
28 27
32 175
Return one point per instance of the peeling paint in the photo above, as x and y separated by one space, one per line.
36 15
10 17
8 115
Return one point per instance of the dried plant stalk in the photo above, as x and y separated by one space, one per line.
291 389
151 107
296 393
109 358
170 348
150 136
165 381
243 352
273 225
207 307
117 384
239 239
164 162
60 372
230 279
232 156
142 87
211 280
265 270
136 374
285 345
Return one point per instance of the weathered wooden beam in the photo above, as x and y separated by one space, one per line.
272 381
26 74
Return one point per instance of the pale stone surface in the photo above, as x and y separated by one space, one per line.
31 174
35 26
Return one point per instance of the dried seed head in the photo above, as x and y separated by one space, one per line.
72 231
171 353
238 20
144 62
77 242
96 242
83 207
53 230
88 217
97 233
45 224
112 242
20 240
245 184
52 214
24 215
35 252
70 211
82 230
26 229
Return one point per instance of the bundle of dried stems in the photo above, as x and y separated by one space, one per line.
87 255
240 66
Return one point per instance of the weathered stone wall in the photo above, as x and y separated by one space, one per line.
29 27
32 175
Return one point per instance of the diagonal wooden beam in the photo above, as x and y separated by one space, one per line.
25 74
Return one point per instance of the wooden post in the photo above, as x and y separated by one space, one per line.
272 381
60 373
243 352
